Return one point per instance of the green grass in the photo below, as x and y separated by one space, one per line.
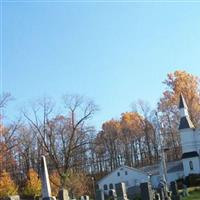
193 195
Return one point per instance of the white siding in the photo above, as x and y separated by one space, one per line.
186 166
133 177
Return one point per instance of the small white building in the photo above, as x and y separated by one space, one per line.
189 164
130 176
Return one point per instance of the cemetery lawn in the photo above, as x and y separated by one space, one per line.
194 195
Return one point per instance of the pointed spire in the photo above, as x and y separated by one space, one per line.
185 121
182 103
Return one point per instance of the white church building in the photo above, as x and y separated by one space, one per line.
189 163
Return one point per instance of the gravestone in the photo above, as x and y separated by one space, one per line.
174 189
146 191
161 193
133 192
13 197
46 189
112 194
185 190
157 196
99 195
63 194
121 191
85 197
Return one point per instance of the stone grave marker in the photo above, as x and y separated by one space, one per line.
133 192
157 196
146 191
174 189
99 194
63 194
121 191
46 189
13 197
161 193
85 197
112 194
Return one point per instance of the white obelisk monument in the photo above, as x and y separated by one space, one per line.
46 189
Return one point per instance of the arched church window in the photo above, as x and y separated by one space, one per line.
111 186
191 165
105 187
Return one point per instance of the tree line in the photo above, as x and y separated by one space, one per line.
77 154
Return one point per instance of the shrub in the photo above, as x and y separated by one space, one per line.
33 184
7 185
55 183
192 180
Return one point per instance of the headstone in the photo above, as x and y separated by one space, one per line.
161 193
174 189
63 195
146 191
157 196
13 197
133 192
112 194
121 191
85 197
99 194
185 190
46 189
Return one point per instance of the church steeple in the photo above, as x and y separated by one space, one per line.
185 121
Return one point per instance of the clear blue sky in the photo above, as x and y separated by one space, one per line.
114 53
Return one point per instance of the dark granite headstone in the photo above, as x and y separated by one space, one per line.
146 191
121 191
63 195
157 196
174 189
133 192
112 194
99 195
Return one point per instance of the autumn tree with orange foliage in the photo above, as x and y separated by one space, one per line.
55 182
176 83
33 184
78 184
137 136
7 138
109 137
7 185
130 136
130 141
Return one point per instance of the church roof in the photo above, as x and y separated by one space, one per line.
185 122
182 103
190 154
173 166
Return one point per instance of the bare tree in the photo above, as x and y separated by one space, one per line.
64 138
4 98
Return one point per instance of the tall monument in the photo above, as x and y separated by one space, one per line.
46 189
